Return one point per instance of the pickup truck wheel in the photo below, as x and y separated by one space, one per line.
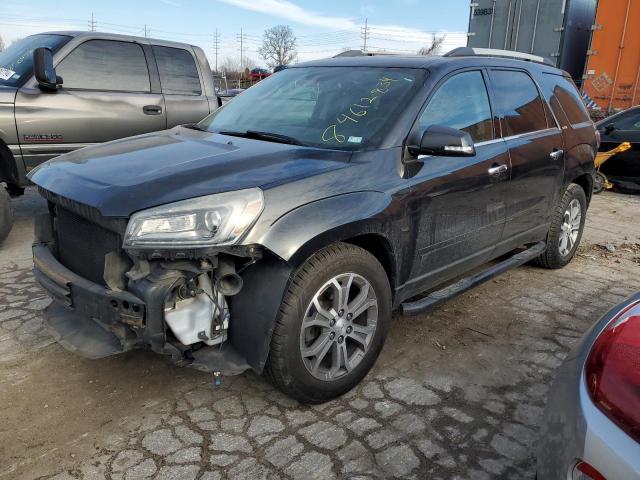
6 214
566 229
331 324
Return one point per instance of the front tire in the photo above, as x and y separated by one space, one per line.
565 231
331 325
6 214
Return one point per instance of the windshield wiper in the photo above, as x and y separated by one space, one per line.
266 136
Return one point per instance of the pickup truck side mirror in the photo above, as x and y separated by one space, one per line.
43 68
444 141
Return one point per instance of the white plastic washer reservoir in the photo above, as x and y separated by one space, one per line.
192 319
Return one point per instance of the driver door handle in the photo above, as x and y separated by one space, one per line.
556 154
497 170
152 109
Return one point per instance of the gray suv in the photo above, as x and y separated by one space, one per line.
66 90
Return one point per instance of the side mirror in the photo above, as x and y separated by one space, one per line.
444 141
609 128
43 69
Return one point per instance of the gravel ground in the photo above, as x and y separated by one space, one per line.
457 392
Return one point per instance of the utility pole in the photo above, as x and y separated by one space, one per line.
92 23
146 32
216 46
242 37
365 35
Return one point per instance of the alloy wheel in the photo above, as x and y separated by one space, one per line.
570 228
339 326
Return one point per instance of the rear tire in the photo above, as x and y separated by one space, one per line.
331 325
6 214
565 231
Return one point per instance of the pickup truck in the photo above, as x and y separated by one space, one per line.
61 91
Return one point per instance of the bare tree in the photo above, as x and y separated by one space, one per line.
1 44
434 45
232 69
278 46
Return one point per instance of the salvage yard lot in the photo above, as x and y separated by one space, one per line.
457 392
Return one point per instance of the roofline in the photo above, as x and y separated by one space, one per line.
83 33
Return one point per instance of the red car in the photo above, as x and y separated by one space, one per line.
259 73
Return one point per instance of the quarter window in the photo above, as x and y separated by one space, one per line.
461 102
565 92
106 65
519 102
178 71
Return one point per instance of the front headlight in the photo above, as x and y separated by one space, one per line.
218 219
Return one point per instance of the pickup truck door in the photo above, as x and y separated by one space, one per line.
536 148
456 204
107 94
184 95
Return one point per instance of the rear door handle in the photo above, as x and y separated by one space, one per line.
497 170
152 109
556 154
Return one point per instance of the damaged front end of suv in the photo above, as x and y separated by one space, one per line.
161 280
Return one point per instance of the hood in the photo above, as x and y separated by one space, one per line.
122 177
7 94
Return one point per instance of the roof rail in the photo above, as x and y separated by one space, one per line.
492 52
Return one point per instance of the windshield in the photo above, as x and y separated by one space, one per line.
16 62
333 107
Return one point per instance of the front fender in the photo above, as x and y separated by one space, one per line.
292 238
297 234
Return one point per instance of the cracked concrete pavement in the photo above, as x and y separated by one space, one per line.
457 392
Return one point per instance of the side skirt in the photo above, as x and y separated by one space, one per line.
467 283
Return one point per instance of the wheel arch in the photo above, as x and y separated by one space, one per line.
380 247
580 168
585 181
8 165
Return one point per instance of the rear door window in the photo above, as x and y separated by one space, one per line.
564 91
178 71
518 101
461 102
105 65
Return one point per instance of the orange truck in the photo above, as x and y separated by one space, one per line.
611 81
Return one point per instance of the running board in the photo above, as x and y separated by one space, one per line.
467 283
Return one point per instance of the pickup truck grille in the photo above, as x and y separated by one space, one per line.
83 244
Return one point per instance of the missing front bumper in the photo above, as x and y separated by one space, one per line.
86 318
95 322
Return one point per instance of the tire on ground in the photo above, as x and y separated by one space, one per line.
6 214
552 257
285 368
599 182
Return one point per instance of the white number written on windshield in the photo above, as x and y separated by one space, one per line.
356 111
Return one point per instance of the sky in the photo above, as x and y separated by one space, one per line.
322 28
